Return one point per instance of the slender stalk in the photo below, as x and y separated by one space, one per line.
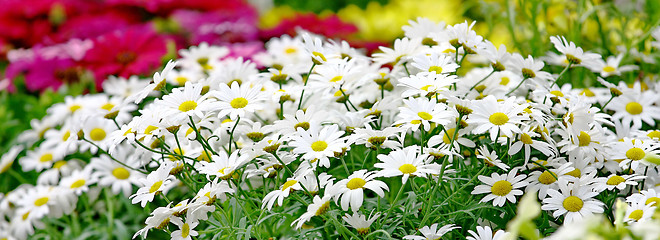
302 94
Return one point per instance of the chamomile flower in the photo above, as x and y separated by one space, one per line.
636 107
526 140
186 229
438 63
184 103
632 151
351 190
619 182
97 132
423 112
639 212
404 49
155 183
376 139
497 117
501 188
203 57
157 84
610 67
491 158
574 54
319 206
39 159
8 158
432 232
120 178
223 165
542 181
486 233
529 69
360 222
236 100
406 162
318 144
574 201
279 195
426 84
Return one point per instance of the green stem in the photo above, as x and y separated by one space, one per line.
302 94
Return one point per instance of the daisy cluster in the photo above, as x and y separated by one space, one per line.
327 142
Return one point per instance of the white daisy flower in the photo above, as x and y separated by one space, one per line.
237 100
186 229
574 54
78 182
639 212
619 182
573 201
157 84
636 107
223 165
486 233
319 206
501 188
526 140
632 151
542 181
360 222
422 112
404 49
183 103
406 162
119 177
426 84
497 117
203 57
529 69
351 190
432 232
610 67
155 183
8 158
280 194
491 158
318 144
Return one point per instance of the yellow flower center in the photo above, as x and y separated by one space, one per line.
107 106
584 139
59 164
498 118
238 102
355 183
609 69
78 183
323 208
501 188
185 230
121 173
46 157
588 93
97 134
573 203
290 50
336 79
615 180
528 73
526 139
654 134
376 140
416 121
73 108
449 134
634 108
154 187
407 168
557 93
188 105
66 135
504 81
288 184
637 214
635 154
41 201
26 215
150 129
575 173
303 125
424 115
436 69
654 200
319 146
319 55
181 80
547 178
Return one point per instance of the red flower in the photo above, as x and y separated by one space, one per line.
134 51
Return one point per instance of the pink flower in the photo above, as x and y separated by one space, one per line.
41 74
134 51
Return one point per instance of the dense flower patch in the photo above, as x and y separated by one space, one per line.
327 142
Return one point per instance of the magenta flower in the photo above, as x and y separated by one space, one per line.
134 51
